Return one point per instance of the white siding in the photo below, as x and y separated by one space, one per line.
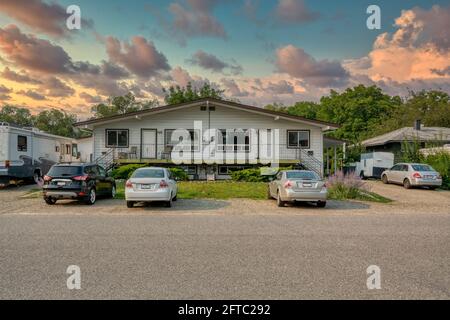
221 118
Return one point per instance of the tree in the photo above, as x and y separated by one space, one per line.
121 105
56 122
357 110
178 94
16 115
305 109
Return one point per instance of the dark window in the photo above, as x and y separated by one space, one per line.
304 175
422 167
298 139
61 171
174 140
148 173
116 138
21 143
101 171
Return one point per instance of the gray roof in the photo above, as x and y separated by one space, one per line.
409 133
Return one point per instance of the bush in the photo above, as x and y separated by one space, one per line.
346 186
440 161
249 175
124 172
179 174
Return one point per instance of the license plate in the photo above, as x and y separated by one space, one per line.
429 177
308 185
148 186
61 183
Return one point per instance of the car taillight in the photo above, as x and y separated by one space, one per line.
288 184
128 184
416 175
80 178
163 184
7 163
47 178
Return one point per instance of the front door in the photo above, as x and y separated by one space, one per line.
148 144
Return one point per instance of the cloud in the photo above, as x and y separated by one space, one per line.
297 63
32 94
89 98
418 49
4 89
49 18
32 53
22 77
294 12
211 62
54 87
232 89
140 57
281 87
195 20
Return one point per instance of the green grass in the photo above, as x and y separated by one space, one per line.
213 190
223 190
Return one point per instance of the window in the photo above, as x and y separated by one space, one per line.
148 173
101 171
116 138
298 139
189 169
303 175
233 140
422 167
68 149
22 143
75 150
172 141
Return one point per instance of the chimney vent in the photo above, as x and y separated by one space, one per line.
417 124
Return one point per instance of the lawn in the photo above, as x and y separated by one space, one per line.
231 189
213 190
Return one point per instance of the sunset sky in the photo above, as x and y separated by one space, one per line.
258 51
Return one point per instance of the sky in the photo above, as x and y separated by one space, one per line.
257 51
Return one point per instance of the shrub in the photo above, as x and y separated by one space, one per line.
179 174
440 161
249 175
124 172
346 186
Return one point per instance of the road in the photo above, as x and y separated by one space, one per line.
225 257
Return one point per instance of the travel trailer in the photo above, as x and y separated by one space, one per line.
372 164
28 153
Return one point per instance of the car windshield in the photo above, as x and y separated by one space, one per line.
304 175
148 173
422 167
61 171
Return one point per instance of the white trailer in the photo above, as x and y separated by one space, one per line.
372 164
27 153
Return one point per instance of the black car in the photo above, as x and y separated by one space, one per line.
77 181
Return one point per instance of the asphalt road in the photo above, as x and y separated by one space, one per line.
225 256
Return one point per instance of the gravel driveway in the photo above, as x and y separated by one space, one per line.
405 201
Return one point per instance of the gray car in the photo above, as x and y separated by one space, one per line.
298 185
412 175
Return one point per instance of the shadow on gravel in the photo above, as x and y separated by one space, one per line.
332 205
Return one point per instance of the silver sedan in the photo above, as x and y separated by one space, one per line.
298 185
412 175
151 184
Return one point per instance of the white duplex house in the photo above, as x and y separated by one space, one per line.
208 138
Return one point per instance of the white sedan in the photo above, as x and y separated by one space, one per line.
151 184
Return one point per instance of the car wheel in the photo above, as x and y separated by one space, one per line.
321 204
130 204
175 198
406 184
432 188
50 200
384 179
92 196
113 191
280 202
169 203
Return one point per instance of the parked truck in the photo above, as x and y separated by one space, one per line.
28 153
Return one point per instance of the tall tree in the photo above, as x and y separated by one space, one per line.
56 122
179 94
121 105
16 115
